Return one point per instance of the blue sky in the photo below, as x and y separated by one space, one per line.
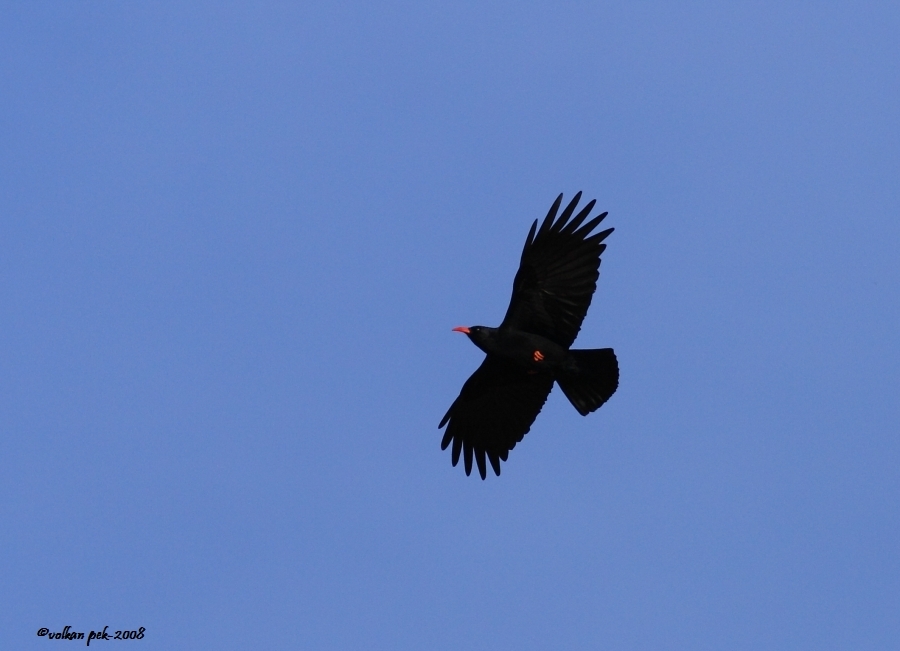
234 239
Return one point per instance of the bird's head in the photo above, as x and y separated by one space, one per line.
478 334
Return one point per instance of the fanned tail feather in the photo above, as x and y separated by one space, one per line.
593 378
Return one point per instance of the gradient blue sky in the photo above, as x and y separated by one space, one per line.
234 239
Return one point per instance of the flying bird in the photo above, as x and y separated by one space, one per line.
530 350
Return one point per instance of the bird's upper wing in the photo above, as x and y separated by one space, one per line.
557 274
494 410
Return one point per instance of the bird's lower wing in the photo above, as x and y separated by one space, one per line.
493 412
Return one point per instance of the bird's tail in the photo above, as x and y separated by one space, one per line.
590 378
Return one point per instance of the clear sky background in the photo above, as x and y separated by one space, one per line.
234 239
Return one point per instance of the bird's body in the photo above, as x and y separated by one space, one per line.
523 349
530 350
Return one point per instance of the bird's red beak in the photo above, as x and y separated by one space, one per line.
462 329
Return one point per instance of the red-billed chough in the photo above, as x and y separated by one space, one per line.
551 295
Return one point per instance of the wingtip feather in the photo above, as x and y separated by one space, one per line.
446 416
564 217
479 459
580 217
530 239
551 215
495 463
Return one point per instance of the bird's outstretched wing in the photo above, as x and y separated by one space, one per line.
494 410
557 274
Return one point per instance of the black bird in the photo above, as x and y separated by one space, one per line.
551 295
